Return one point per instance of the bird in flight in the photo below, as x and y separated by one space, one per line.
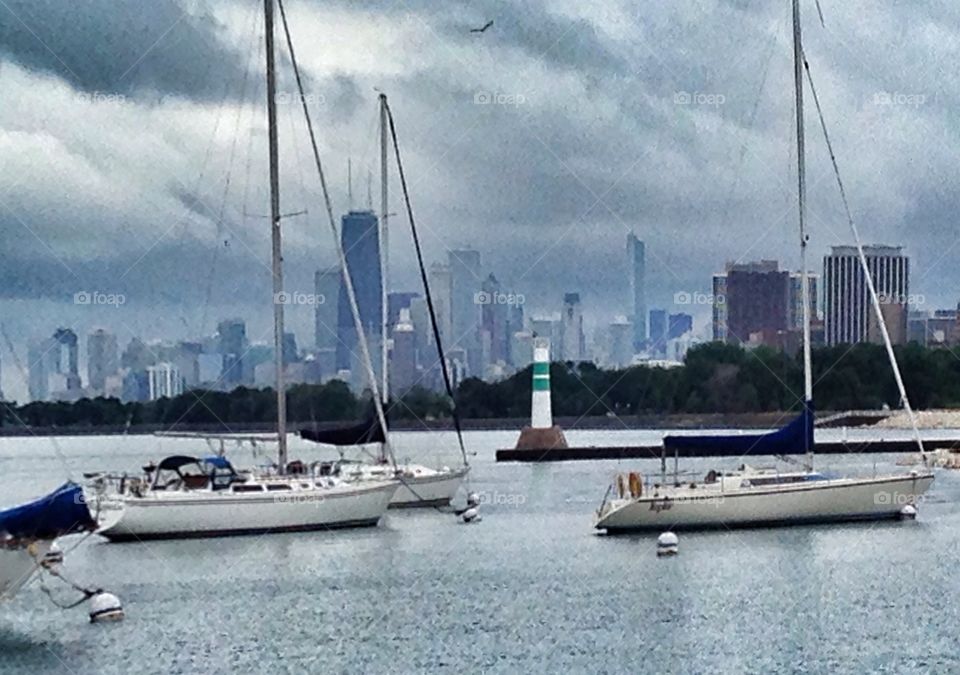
485 27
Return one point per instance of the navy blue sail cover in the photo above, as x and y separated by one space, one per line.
63 511
793 439
357 434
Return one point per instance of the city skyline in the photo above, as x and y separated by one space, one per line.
493 321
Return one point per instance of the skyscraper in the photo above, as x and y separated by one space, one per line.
136 356
291 354
757 302
164 381
796 299
493 321
847 304
515 325
102 359
38 358
440 287
678 325
232 335
326 288
574 341
637 269
720 307
360 240
465 284
66 358
403 357
619 348
658 331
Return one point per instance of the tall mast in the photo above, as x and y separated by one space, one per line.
384 266
801 202
277 254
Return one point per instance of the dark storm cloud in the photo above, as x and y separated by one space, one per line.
129 47
546 189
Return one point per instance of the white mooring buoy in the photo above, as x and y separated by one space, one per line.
667 544
105 607
473 499
472 515
908 512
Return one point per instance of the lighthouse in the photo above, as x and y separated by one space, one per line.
542 434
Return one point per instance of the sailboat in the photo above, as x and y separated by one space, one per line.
420 486
752 496
28 533
186 496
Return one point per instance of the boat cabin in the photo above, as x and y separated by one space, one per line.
182 472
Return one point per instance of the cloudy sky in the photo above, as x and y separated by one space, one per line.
134 158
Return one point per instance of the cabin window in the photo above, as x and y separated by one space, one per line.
248 488
277 488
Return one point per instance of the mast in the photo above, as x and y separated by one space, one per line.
801 203
384 266
277 259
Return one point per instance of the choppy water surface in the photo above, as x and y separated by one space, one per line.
530 589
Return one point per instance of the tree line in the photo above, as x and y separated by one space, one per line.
715 378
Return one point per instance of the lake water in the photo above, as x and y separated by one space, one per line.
530 589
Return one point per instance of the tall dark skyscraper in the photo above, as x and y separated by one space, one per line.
757 302
465 284
360 239
637 277
658 331
232 338
103 358
679 324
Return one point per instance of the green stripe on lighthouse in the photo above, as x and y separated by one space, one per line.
541 369
541 384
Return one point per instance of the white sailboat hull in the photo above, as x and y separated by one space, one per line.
173 515
428 490
18 565
419 485
833 500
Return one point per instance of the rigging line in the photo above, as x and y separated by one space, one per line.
871 288
256 94
213 135
347 280
753 116
820 13
426 284
208 291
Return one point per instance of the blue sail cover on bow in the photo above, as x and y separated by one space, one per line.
61 512
793 439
